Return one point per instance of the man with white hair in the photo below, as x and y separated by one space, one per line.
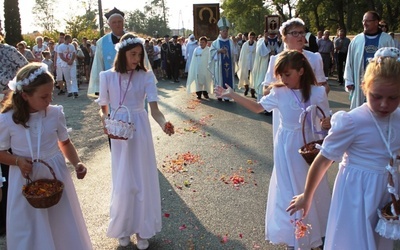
105 48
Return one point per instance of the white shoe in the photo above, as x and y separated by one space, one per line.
124 241
142 244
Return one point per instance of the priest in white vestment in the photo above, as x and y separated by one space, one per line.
361 48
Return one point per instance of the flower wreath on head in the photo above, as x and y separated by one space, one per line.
126 42
386 52
289 22
17 86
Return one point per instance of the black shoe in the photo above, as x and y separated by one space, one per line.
220 99
69 95
246 92
253 93
96 93
198 93
61 92
227 100
267 113
205 94
75 94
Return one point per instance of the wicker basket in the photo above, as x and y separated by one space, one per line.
120 129
309 151
52 190
388 225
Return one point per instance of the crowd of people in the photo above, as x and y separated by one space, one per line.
285 72
68 60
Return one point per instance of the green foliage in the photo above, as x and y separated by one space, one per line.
44 14
245 15
12 22
151 22
84 25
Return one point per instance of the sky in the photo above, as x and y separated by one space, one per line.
180 11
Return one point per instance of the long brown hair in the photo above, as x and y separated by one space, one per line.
16 102
293 59
120 58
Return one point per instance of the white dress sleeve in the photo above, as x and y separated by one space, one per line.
150 87
340 136
318 66
270 101
61 124
104 98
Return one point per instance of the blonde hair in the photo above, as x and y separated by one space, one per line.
387 68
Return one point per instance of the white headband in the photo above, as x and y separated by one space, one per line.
289 22
128 41
17 86
386 52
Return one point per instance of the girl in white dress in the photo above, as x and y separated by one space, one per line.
294 96
365 140
135 199
36 130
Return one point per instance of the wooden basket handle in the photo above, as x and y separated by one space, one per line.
29 180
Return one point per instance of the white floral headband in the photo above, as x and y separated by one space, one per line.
387 52
126 42
289 22
17 86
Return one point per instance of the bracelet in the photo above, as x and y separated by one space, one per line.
79 163
16 161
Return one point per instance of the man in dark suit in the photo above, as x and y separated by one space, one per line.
175 57
165 50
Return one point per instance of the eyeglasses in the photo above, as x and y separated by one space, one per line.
297 33
368 21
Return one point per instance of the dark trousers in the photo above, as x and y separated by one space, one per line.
168 69
327 60
340 63
175 69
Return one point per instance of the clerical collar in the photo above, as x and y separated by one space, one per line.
115 39
373 34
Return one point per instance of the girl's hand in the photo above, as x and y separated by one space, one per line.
299 203
80 170
25 166
221 92
169 128
326 123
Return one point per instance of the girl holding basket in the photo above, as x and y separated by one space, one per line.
36 131
366 142
135 200
295 95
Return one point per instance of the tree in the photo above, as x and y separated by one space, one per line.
83 25
44 14
101 22
150 22
12 22
286 9
246 15
135 21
